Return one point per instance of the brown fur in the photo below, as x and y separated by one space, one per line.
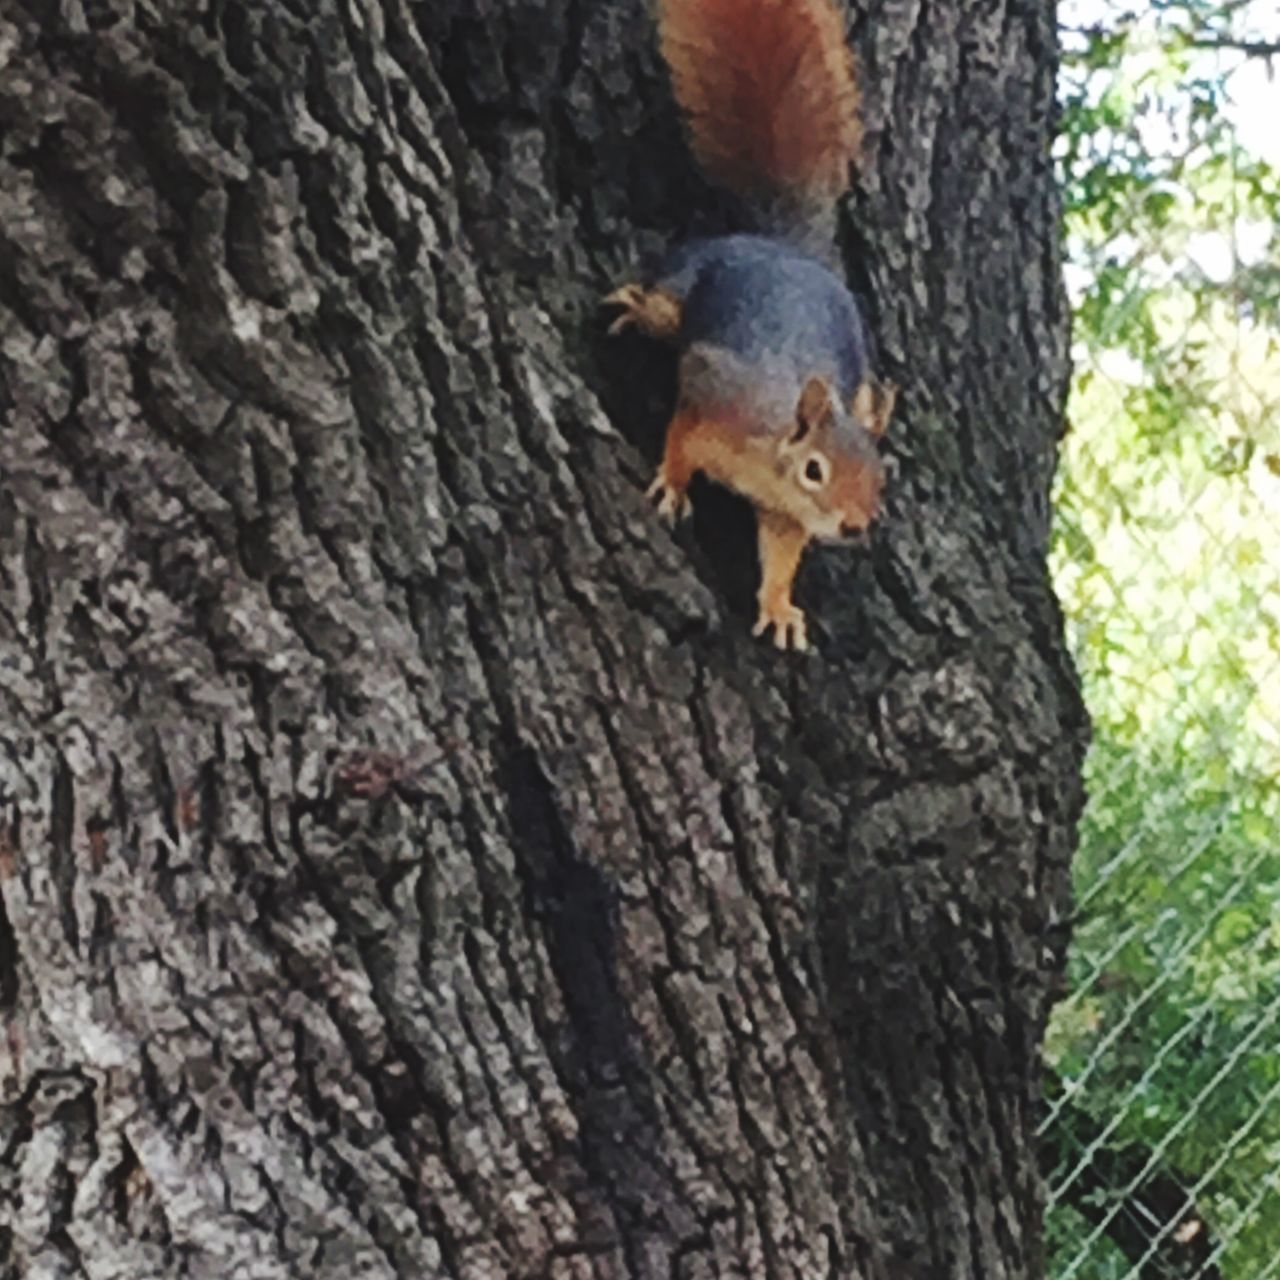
782 543
769 89
723 445
856 491
727 452
763 463
724 451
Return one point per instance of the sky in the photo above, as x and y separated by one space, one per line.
1254 82
1252 105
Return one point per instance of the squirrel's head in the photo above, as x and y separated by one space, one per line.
829 457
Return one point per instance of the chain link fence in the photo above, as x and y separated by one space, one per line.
1161 1124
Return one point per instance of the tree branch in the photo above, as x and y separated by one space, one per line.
1250 48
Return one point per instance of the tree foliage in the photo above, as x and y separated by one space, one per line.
1165 556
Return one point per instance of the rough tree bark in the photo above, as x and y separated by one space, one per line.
411 866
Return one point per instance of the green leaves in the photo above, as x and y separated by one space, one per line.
1167 559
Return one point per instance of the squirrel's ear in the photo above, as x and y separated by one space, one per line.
873 404
814 409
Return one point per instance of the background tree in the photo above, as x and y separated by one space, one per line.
1163 1131
410 864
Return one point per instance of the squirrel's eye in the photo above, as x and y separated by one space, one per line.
815 473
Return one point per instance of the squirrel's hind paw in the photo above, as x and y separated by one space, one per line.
631 299
655 312
788 625
673 503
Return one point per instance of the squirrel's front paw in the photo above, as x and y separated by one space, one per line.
787 622
673 503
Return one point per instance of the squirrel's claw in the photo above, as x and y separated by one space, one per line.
673 503
631 298
788 626
628 295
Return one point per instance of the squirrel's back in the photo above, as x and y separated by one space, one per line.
774 307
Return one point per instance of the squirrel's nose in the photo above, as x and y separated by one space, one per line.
854 532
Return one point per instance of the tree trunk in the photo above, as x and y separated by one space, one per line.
411 866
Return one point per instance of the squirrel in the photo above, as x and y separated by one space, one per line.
776 396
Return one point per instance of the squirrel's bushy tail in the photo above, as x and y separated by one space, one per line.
770 92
